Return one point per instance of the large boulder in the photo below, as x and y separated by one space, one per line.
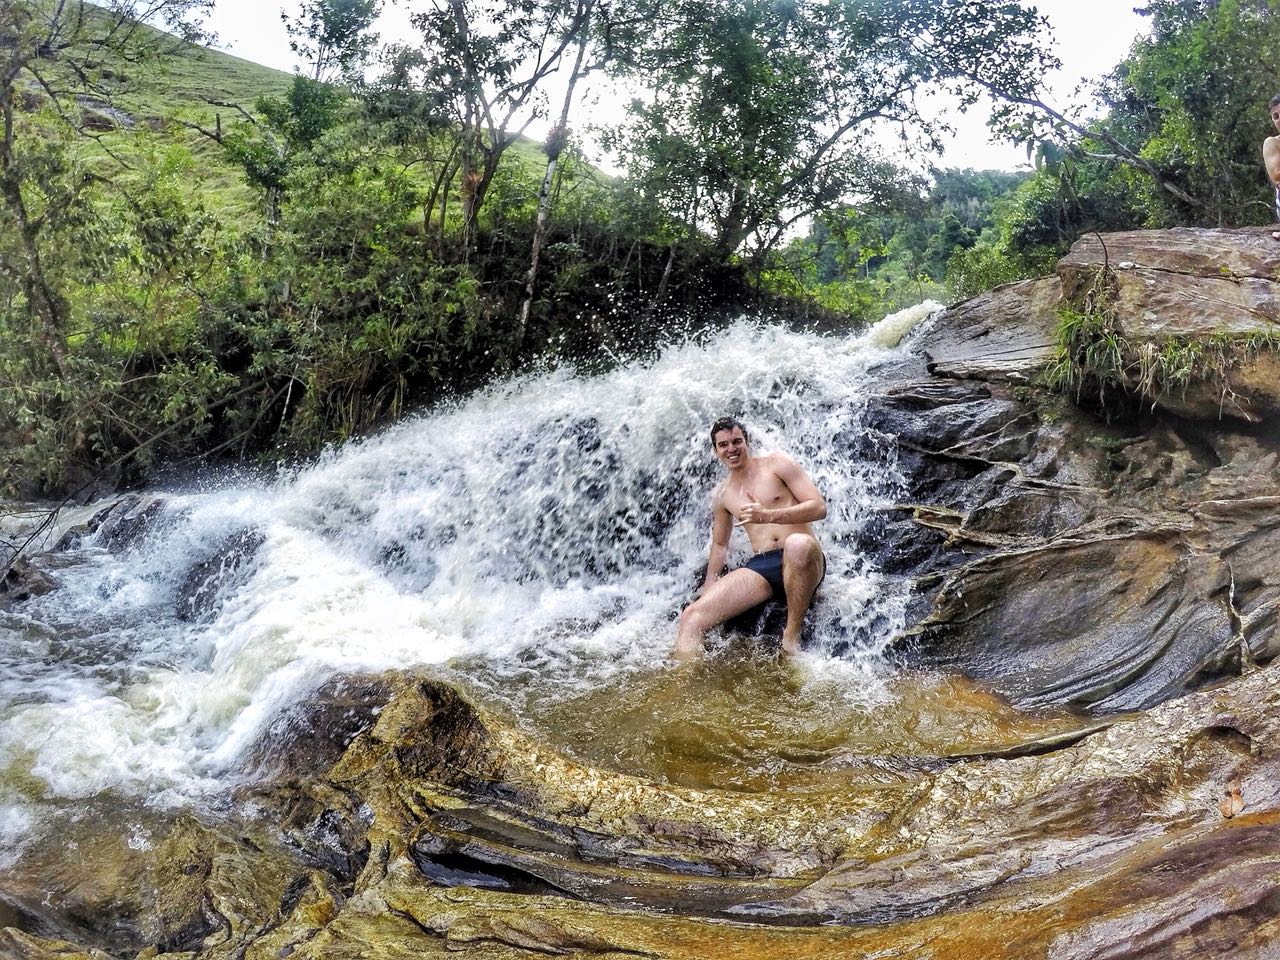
22 580
1194 313
1110 557
1006 334
1189 319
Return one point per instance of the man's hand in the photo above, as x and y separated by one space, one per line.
754 512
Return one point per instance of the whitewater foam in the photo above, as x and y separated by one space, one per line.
551 525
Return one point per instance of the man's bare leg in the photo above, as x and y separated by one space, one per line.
729 596
802 567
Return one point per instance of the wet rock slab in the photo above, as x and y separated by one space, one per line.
23 580
1111 557
478 842
1006 334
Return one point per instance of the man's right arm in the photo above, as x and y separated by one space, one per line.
721 527
1271 158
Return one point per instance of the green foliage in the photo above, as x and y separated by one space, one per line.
268 151
1177 142
304 115
762 114
889 258
1196 90
1090 351
370 312
980 268
1093 354
333 36
142 319
133 381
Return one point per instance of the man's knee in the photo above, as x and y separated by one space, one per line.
693 618
801 550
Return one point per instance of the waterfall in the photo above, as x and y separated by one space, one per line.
547 529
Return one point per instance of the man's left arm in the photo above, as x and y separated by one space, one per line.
809 506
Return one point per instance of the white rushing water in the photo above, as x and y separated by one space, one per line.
550 527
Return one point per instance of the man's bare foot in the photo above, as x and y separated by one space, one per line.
790 645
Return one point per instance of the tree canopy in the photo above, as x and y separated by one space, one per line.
759 114
376 231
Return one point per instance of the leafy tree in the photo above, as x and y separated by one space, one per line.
760 114
1186 110
90 249
267 149
333 36
484 64
558 138
50 55
1197 90
370 314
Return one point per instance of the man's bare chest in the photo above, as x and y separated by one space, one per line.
765 488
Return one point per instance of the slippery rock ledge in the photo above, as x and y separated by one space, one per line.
440 831
1113 556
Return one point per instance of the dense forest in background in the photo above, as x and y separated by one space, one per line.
200 258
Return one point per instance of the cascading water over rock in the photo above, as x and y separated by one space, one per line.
547 529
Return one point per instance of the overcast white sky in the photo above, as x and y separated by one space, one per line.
1092 37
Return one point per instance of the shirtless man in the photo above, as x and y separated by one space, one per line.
1271 157
775 502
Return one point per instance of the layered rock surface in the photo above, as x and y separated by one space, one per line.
1120 559
1110 558
460 834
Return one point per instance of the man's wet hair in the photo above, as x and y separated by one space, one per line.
728 423
1275 101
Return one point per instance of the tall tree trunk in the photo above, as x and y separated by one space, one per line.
441 181
732 227
666 276
444 206
556 140
471 177
471 143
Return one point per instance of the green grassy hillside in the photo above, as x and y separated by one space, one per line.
194 86
199 85
191 79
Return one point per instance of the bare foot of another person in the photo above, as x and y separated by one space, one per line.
791 645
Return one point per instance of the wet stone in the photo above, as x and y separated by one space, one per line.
22 581
197 595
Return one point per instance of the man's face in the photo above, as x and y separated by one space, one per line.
1275 116
731 447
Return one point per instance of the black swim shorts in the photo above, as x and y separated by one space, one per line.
769 566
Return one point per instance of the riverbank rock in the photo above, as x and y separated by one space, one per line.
21 581
1107 557
478 842
118 523
1194 313
199 594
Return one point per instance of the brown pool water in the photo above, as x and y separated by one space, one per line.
755 723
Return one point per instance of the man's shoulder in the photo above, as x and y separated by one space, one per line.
1271 143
